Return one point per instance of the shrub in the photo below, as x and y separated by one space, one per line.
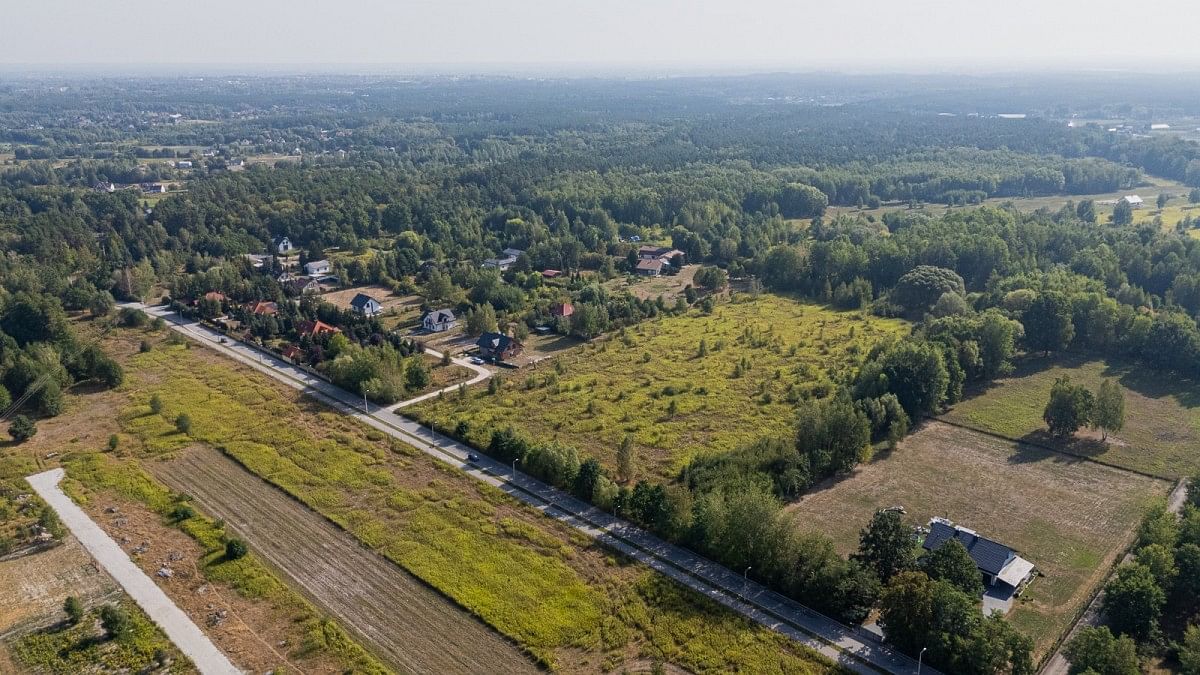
183 423
236 548
74 609
156 404
115 621
22 429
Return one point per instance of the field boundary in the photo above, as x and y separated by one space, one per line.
1061 451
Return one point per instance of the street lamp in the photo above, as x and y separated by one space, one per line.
919 658
514 469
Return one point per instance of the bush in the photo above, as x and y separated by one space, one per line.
182 512
74 609
113 442
236 549
156 404
145 346
22 429
115 621
183 423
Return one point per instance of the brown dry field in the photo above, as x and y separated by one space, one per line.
650 288
401 303
392 612
1069 517
253 635
33 587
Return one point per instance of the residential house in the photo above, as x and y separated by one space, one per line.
154 188
315 329
183 164
562 309
301 286
1134 201
215 295
551 274
649 268
439 321
293 353
317 268
651 252
104 186
497 347
512 253
262 308
501 264
257 260
366 305
282 245
999 565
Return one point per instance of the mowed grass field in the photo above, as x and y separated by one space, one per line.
1162 414
1070 517
567 602
762 354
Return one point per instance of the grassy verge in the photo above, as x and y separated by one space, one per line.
1162 414
84 647
655 382
568 603
247 575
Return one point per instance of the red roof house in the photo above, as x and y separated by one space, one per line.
562 309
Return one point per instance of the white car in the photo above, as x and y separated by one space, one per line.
476 360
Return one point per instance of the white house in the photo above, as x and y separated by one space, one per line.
282 245
185 164
366 305
1134 201
317 268
439 321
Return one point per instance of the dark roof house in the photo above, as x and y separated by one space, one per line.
365 305
650 268
497 346
996 562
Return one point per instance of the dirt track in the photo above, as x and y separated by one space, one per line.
410 626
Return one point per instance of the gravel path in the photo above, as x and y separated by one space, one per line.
178 627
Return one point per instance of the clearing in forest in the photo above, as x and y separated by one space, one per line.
1070 517
1162 414
681 385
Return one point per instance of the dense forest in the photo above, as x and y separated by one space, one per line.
425 180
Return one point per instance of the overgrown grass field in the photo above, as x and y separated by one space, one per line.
549 589
657 383
1071 518
1162 414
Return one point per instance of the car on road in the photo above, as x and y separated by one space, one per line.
222 340
472 457
476 360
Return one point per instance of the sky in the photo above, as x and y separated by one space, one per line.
635 35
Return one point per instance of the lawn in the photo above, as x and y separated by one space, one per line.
554 593
761 355
1162 414
1071 518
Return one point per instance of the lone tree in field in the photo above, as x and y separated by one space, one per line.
886 545
625 459
74 609
183 423
22 429
236 548
115 621
1122 213
1070 407
1163 198
1108 413
156 404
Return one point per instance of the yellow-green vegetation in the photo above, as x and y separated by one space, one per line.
566 602
248 575
679 385
1162 414
14 519
85 647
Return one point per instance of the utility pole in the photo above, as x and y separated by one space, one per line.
920 657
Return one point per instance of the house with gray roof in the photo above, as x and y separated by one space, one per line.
999 565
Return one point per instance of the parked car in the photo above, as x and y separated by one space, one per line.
476 360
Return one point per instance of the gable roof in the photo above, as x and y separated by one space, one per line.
655 265
361 300
439 316
494 341
989 556
562 309
262 307
315 264
315 328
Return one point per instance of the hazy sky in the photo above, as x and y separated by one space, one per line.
783 34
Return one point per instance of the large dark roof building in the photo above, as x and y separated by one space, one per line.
996 562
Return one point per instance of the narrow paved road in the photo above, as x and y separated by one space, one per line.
854 648
481 374
178 627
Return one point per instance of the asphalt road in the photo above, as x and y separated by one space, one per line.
854 648
161 609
